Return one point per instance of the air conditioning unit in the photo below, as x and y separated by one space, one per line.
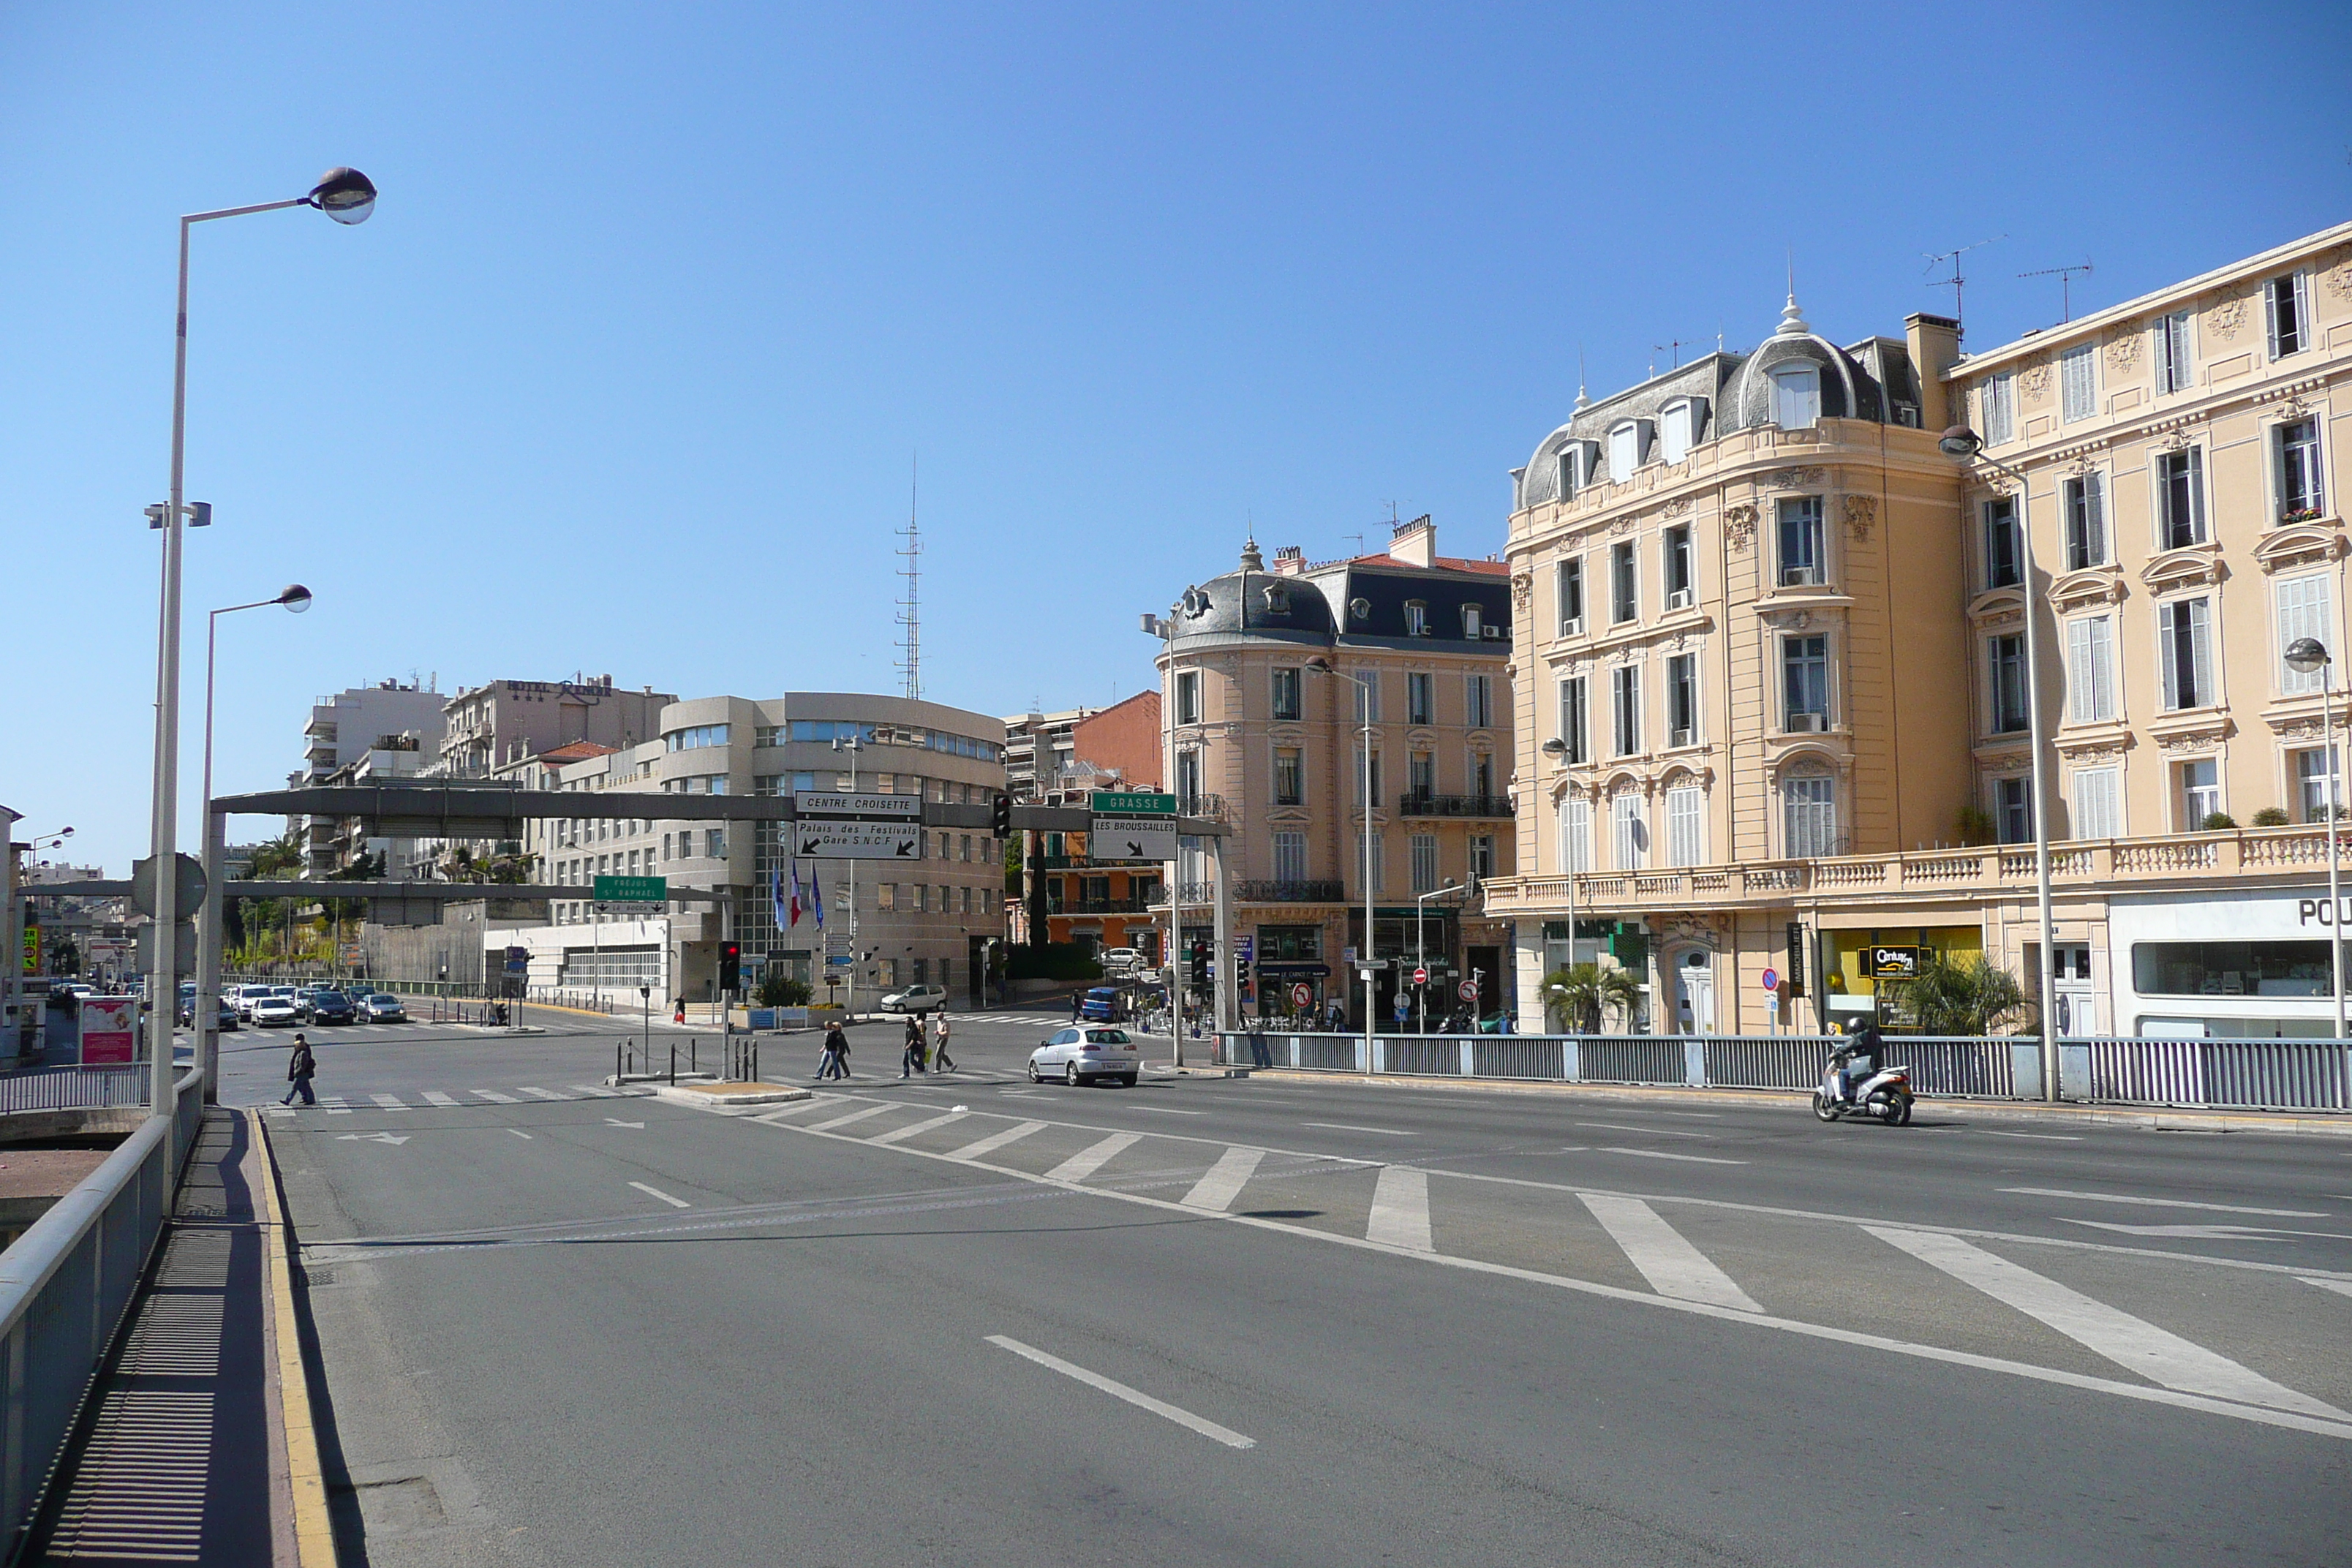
1809 723
1685 738
1572 628
1680 599
1801 576
1493 634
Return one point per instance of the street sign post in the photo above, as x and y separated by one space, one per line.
1132 826
836 826
1468 990
1772 981
1302 994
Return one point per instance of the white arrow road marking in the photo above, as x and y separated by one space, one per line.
656 1191
1665 1257
1224 1184
2163 1202
1401 1209
995 1141
1092 1158
371 1138
1136 1398
2156 1354
616 1121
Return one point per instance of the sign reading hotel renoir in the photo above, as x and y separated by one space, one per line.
1132 826
834 826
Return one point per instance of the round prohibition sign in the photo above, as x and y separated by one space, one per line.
1302 994
1469 989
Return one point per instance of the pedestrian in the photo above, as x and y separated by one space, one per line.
834 1062
913 1061
1077 1006
940 1061
678 1017
300 1070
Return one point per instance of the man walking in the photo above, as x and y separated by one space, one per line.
913 1061
300 1070
834 1062
1078 1005
940 1061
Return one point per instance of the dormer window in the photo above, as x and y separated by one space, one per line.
1797 397
1416 619
1473 619
1629 447
1578 461
1277 600
1682 428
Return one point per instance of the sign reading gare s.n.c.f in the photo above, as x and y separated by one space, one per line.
836 826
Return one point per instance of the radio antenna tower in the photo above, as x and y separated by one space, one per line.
910 659
1957 283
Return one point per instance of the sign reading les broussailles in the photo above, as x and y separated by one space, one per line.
1132 826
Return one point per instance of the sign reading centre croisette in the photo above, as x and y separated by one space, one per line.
838 826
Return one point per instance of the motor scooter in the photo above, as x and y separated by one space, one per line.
1885 1095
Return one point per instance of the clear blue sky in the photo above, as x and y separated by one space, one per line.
626 373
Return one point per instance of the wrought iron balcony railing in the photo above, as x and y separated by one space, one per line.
1415 804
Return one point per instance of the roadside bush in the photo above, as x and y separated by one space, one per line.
1050 961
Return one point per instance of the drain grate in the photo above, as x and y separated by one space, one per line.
138 1491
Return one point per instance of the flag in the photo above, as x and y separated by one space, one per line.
797 893
776 896
816 899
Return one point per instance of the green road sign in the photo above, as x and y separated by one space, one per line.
631 891
1119 803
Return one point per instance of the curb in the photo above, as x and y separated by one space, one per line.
2150 1118
314 1532
719 1099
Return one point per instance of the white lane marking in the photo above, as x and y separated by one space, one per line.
656 1191
1167 1110
389 1101
492 1094
517 1131
336 1105
2205 1232
1135 1397
1347 1127
1694 1115
2156 1354
616 1121
1401 1209
2341 1287
395 1140
2163 1202
539 1093
914 1126
1661 1155
1093 1157
1666 1259
434 1097
858 1115
1224 1181
1023 1093
595 1090
1653 1131
2044 1136
995 1141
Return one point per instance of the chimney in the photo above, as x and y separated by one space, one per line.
1935 343
1415 542
1290 561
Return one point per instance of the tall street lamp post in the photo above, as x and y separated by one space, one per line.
1959 441
1325 667
1164 629
1421 944
204 1017
2308 656
348 196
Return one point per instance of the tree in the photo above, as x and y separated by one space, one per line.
1969 995
1582 992
778 989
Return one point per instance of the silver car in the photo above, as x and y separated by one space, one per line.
272 1010
1084 1052
382 1007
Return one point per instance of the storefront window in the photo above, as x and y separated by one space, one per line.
2230 968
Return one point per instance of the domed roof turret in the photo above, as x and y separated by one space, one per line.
1847 391
1253 602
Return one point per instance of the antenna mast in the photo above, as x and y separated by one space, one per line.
2065 276
910 659
1956 283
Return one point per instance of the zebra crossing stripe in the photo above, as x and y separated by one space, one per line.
336 1105
434 1097
1401 1209
1224 1181
1092 1158
914 1126
859 1115
492 1094
541 1093
1670 1263
995 1141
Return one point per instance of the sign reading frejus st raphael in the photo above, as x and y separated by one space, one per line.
1132 826
836 826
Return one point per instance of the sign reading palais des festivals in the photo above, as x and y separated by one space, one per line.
838 826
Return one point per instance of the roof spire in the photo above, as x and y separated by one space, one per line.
1792 320
1582 402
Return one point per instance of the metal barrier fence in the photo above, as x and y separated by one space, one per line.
74 1089
2278 1074
64 1288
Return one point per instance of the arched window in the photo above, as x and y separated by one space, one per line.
1808 813
1796 397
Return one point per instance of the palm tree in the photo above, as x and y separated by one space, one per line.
1968 995
1581 994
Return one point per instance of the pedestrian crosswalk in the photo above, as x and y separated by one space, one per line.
343 1105
2028 1305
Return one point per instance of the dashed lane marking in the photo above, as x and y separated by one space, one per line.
1350 1127
1136 1398
656 1191
1663 1155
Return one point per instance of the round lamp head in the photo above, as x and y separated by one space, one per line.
1555 747
1959 441
295 597
345 195
2306 656
1319 665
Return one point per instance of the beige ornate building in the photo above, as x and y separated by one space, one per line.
1275 747
1856 600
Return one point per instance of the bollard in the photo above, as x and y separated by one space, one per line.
692 1065
673 1067
755 1062
618 1049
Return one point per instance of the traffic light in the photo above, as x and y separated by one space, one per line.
1199 964
1003 819
730 966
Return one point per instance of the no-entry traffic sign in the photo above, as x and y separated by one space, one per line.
1420 976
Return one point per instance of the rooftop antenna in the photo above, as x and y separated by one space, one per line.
2065 276
1359 538
910 659
1957 283
1674 346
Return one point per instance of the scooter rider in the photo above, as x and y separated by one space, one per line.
1858 1059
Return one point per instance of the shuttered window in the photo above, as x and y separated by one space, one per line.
1575 835
2090 670
2086 522
2097 813
2304 611
2184 648
2078 384
1685 831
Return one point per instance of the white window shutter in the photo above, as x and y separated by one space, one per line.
2200 648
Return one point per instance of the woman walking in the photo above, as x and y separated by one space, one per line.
913 1061
834 1062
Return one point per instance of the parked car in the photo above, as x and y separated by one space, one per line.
916 999
333 1008
1122 960
1081 1054
382 1007
1101 1006
245 997
270 1011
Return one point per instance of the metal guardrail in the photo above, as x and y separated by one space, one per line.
64 1288
2270 1075
74 1089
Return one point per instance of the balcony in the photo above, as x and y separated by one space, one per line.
1099 906
1257 891
1415 804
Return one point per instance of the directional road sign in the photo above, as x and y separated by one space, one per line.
629 890
834 826
1132 826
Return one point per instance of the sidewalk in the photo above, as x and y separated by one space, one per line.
182 1456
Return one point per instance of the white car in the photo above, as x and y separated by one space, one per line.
269 1010
246 996
1121 961
1084 1052
916 999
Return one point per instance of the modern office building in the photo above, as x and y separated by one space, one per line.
1775 706
343 730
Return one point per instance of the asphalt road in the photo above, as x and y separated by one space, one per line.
973 1319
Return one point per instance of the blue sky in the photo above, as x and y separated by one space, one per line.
627 371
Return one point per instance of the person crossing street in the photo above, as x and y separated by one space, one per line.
299 1071
940 1058
913 1061
834 1062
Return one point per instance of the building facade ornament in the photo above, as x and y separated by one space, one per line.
1523 590
2123 350
2034 379
1621 526
2340 279
1739 527
1676 507
2227 317
2298 728
1794 479
1861 516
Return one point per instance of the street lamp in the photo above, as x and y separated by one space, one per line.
852 743
1325 667
1421 946
203 1015
348 196
1962 442
2308 656
1164 629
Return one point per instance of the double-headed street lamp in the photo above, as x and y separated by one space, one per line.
204 1013
1959 441
2308 656
348 196
1372 980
